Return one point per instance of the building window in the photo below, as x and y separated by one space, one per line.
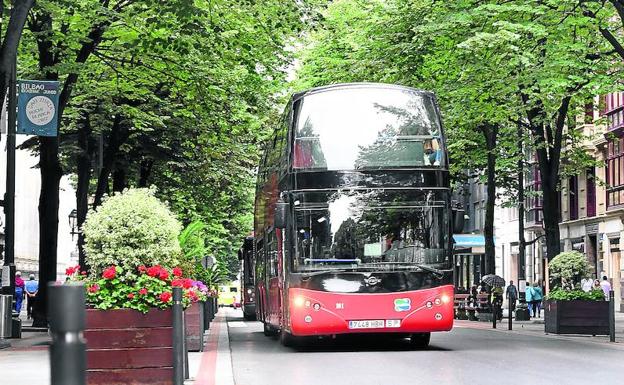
591 192
573 197
534 201
615 172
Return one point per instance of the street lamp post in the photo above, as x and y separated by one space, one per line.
73 223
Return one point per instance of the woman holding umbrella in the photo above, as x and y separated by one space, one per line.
497 283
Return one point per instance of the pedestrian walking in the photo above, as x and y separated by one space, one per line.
537 299
511 293
596 285
528 292
32 288
605 285
586 284
19 292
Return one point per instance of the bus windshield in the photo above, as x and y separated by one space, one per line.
367 128
376 229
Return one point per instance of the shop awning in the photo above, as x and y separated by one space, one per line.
468 240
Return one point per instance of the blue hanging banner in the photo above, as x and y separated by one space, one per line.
37 107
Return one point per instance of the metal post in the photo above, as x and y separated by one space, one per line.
510 325
178 337
66 310
9 196
611 316
187 374
494 314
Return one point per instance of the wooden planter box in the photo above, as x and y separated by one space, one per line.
577 317
128 347
194 325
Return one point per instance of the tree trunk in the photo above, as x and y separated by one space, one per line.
119 179
521 240
117 137
84 160
51 173
490 132
145 171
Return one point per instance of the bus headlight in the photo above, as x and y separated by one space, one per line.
445 298
299 301
249 291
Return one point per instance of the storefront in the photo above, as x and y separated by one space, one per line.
469 260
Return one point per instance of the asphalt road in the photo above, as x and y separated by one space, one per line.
462 356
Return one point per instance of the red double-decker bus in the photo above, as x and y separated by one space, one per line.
352 227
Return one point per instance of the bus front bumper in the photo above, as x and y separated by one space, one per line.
325 313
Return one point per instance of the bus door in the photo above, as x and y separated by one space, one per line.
273 276
261 267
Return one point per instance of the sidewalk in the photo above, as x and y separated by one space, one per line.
27 360
535 327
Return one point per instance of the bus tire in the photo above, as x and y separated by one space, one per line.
420 340
268 330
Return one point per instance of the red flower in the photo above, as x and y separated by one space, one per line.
177 272
142 269
70 270
130 295
188 283
109 273
93 288
163 274
165 297
143 291
153 271
83 273
177 283
192 295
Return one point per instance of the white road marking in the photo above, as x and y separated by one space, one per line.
237 324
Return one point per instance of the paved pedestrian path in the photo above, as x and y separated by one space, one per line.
535 327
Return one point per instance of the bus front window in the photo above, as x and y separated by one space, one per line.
364 230
367 128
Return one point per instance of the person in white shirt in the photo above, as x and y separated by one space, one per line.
606 287
586 284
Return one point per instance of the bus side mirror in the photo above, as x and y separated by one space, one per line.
281 209
458 220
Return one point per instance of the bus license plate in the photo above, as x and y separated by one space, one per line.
367 324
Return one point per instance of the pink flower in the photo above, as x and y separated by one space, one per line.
130 295
142 269
93 288
143 291
71 270
109 273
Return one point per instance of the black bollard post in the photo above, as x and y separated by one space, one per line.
510 325
494 314
66 310
178 337
611 316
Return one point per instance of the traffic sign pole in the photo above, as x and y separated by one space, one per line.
9 199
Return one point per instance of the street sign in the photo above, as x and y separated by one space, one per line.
37 107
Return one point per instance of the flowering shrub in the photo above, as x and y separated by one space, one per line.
129 230
141 289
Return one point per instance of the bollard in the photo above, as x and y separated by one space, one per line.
510 325
611 316
494 314
178 337
66 310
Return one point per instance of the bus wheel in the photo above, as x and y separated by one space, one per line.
268 330
420 340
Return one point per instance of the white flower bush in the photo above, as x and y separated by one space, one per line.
129 230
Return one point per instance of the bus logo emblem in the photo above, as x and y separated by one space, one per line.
402 304
372 281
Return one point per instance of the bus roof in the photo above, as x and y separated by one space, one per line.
330 87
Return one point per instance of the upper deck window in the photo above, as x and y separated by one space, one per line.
367 128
